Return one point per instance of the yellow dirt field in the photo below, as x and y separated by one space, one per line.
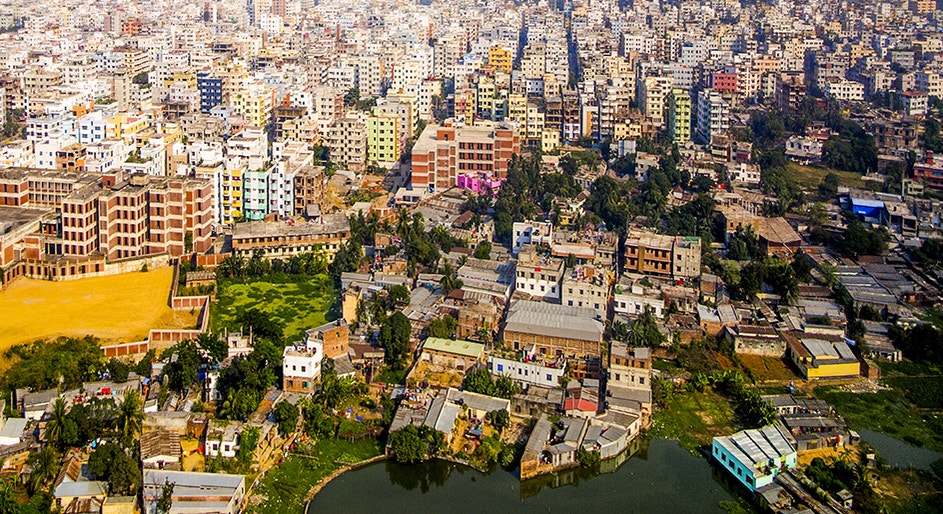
117 308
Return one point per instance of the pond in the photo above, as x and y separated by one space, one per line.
898 453
659 477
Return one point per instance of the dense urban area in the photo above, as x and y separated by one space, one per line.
250 251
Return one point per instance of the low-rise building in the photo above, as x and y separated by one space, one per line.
452 354
656 254
754 457
301 366
818 358
287 239
195 492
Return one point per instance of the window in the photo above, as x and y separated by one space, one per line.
641 380
500 367
549 378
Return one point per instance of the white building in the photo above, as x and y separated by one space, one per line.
301 366
713 115
530 371
632 300
532 232
844 90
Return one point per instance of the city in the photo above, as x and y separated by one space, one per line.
305 256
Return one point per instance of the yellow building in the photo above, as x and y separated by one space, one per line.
500 58
230 195
818 358
383 139
517 112
679 115
125 126
255 103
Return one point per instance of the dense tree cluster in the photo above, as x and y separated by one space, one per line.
394 339
258 266
860 240
923 343
481 382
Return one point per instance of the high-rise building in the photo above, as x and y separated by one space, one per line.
679 115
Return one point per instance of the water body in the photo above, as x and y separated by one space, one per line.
898 453
659 477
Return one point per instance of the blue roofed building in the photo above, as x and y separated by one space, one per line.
754 457
869 211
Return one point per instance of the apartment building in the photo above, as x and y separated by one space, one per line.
540 276
443 152
713 115
347 139
679 115
657 254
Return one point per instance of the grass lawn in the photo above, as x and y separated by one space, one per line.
888 412
284 488
693 419
299 304
120 308
810 177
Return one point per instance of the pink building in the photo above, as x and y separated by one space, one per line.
479 184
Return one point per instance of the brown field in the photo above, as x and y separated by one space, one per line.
117 308
769 369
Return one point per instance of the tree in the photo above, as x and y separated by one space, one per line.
483 250
286 416
182 372
262 325
500 419
829 186
45 469
394 338
248 440
398 296
213 346
449 280
131 416
407 445
644 331
443 326
118 370
57 419
479 381
110 463
166 499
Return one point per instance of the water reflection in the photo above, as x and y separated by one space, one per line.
652 477
897 453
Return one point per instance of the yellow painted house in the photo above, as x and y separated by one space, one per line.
818 358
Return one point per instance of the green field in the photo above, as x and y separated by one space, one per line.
284 488
299 303
693 419
889 412
809 177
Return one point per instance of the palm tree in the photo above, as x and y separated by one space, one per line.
131 415
45 468
56 421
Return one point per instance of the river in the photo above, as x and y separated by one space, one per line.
898 453
659 477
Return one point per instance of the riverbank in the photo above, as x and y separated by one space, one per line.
287 487
345 467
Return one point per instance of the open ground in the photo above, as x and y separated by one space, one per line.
116 308
812 176
299 304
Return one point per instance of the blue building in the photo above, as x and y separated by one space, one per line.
754 457
211 91
869 211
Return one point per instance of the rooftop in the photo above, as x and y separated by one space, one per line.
458 347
